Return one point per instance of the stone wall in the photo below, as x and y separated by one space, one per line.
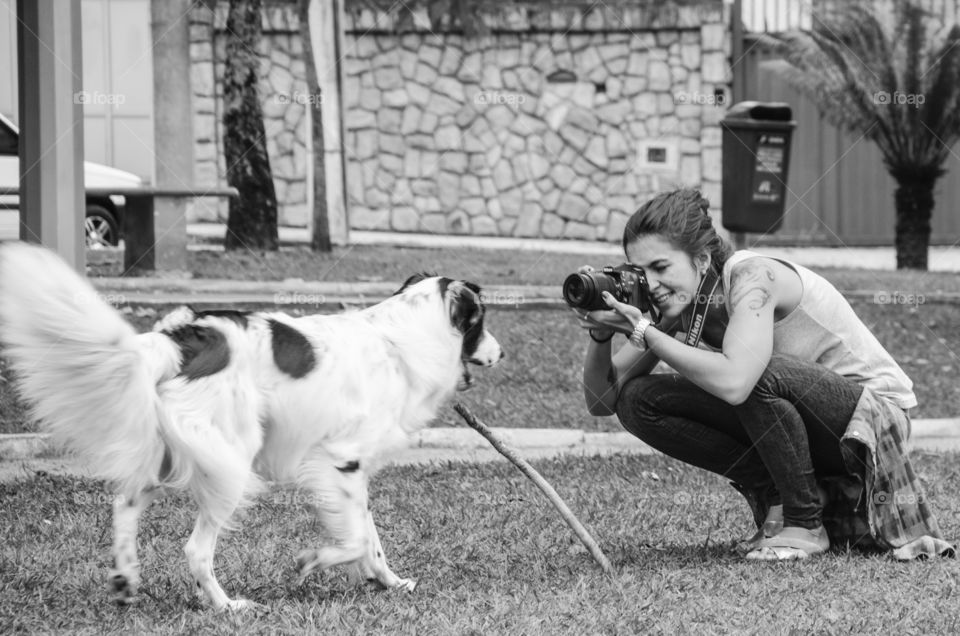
284 97
557 124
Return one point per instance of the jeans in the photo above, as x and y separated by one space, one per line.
777 443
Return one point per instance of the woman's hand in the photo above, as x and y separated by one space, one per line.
603 323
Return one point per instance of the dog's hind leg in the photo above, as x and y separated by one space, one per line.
199 550
124 578
217 504
373 566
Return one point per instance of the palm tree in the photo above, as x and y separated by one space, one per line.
897 84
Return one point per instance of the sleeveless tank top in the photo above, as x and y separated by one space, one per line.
824 329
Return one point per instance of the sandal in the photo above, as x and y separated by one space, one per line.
790 544
772 525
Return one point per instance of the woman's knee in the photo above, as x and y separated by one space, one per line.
771 381
638 406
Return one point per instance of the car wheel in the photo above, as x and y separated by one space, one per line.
100 227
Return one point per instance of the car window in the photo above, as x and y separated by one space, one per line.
8 141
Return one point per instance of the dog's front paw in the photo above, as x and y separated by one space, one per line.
122 587
307 561
407 585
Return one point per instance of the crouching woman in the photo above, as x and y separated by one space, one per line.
793 399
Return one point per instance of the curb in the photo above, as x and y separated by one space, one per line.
928 434
300 293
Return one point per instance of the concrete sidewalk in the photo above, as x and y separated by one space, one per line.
21 456
941 258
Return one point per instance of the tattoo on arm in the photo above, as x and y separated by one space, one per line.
752 283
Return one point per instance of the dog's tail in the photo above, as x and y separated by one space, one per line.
89 378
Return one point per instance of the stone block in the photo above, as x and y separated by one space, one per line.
551 226
658 77
392 144
713 37
411 164
387 78
397 98
434 223
448 190
454 161
404 219
449 87
485 226
503 176
474 206
410 120
389 120
714 68
458 222
596 152
425 75
470 186
572 207
367 144
448 138
363 218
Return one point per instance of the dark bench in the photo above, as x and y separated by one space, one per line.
154 225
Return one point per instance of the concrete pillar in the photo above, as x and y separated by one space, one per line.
50 73
172 129
326 42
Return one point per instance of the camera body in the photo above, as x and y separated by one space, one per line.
627 283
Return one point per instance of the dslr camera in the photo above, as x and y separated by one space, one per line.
627 283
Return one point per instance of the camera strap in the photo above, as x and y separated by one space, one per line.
701 306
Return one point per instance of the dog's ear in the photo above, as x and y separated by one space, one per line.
466 306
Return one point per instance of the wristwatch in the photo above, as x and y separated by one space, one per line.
636 338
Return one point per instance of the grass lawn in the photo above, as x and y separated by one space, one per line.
490 556
537 385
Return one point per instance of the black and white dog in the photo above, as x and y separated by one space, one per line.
215 402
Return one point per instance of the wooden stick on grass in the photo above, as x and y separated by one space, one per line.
541 483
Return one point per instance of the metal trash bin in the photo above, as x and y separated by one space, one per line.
756 158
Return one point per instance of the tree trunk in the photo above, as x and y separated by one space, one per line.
320 239
914 202
252 223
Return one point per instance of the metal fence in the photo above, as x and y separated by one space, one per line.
775 16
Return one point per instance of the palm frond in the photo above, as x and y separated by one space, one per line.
941 107
888 80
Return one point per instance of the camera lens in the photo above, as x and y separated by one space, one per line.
583 290
576 289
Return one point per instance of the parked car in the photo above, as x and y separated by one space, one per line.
104 216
